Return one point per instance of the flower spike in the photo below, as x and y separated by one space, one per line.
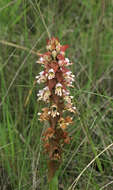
56 77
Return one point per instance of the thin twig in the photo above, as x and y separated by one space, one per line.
76 180
106 185
19 47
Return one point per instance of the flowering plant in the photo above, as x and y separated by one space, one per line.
56 77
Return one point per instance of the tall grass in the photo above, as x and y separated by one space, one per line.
87 26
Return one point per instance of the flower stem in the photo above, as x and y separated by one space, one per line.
53 184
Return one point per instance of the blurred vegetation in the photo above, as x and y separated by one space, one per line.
87 26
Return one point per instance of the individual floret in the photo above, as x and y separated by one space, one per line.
41 77
54 111
58 89
51 74
44 94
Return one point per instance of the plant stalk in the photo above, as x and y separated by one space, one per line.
53 184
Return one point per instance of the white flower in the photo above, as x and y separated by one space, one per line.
51 74
49 47
62 53
68 63
67 99
68 73
44 94
54 54
58 47
67 60
66 92
58 89
40 94
39 113
60 62
69 107
41 59
53 111
69 78
41 77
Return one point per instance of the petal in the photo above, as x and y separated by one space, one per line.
60 57
63 48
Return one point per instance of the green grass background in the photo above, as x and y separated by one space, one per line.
87 26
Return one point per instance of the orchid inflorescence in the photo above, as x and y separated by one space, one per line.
56 77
